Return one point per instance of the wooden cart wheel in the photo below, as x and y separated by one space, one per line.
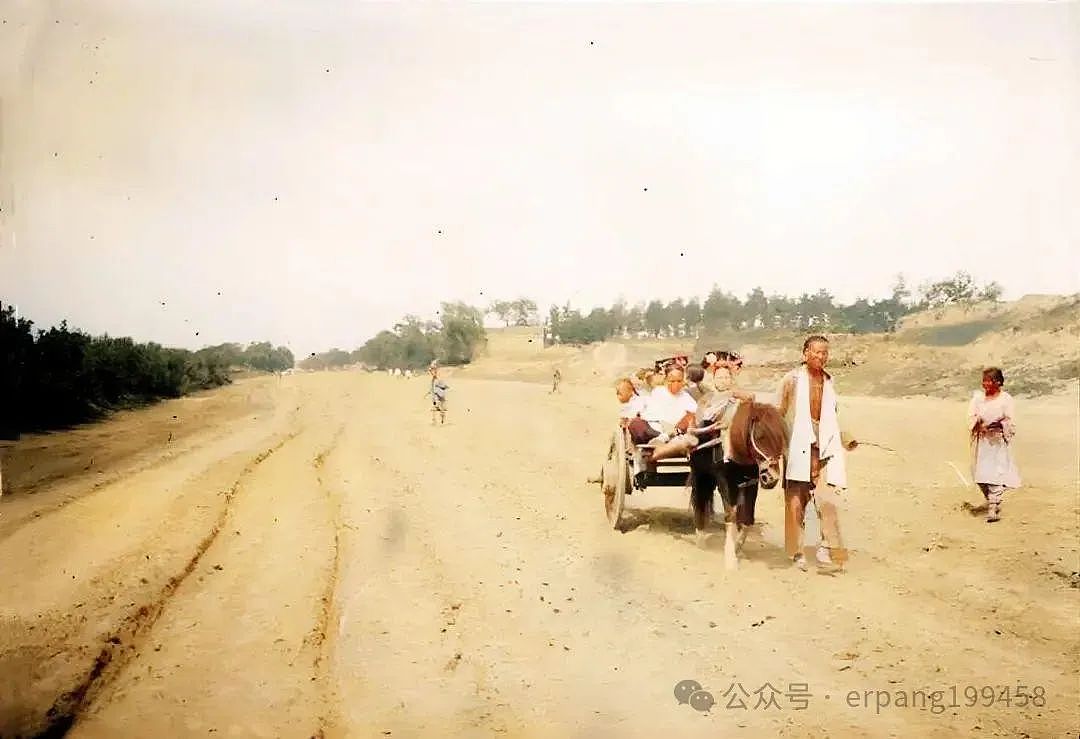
616 480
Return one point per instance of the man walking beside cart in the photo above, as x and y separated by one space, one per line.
815 466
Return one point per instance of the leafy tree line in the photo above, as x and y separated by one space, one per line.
520 312
61 376
413 343
261 356
722 311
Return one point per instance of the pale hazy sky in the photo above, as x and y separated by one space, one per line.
300 157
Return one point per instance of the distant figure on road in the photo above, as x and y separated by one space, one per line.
556 378
438 397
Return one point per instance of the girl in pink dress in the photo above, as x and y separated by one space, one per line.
992 425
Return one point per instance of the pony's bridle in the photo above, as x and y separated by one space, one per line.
766 460
766 476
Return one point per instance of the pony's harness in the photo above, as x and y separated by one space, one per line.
765 458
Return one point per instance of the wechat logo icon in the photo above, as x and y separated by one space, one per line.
690 692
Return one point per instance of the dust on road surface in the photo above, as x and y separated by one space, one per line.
334 565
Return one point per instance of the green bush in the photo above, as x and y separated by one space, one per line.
62 376
413 344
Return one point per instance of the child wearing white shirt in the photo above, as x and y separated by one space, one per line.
631 405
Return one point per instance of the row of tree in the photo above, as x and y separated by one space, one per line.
413 343
722 311
261 356
61 376
519 312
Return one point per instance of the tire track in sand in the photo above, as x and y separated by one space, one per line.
237 647
119 645
319 634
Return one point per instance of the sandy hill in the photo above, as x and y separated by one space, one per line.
1035 340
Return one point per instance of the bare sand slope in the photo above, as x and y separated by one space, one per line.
335 565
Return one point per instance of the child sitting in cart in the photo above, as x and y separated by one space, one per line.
631 403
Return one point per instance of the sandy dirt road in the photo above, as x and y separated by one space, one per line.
334 565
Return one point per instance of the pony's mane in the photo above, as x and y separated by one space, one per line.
770 430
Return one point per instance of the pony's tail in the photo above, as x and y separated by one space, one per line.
702 486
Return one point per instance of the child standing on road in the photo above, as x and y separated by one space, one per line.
990 421
438 397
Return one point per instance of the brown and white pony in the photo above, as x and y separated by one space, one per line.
759 440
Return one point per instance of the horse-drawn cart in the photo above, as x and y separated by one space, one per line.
758 438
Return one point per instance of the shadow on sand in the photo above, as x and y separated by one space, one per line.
974 510
758 546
